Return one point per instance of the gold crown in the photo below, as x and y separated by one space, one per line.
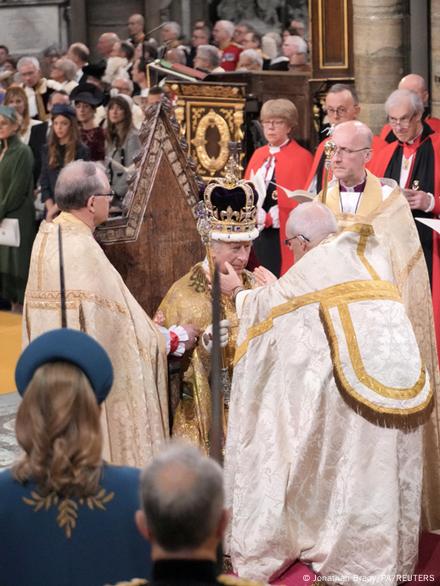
230 205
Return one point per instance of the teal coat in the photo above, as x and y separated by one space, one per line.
16 201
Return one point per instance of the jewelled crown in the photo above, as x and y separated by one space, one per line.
231 206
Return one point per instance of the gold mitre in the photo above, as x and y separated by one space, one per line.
231 207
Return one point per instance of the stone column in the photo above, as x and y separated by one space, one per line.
435 57
379 46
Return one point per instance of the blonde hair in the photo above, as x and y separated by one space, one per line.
281 108
58 427
17 91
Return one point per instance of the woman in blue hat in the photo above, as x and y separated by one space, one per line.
66 517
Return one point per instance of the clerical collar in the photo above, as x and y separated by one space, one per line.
359 188
273 150
416 139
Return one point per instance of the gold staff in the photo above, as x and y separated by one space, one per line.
329 151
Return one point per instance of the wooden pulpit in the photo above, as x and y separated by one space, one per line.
154 240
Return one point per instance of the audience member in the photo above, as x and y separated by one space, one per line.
183 516
63 72
250 60
240 31
295 51
67 517
140 76
105 44
35 86
135 27
223 32
79 54
63 146
4 55
16 203
208 59
125 86
32 132
200 36
176 55
86 98
48 58
122 145
170 35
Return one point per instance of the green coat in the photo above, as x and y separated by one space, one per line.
16 201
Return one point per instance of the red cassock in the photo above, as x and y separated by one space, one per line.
318 161
292 166
378 167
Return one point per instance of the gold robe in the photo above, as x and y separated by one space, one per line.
395 229
189 301
317 467
135 414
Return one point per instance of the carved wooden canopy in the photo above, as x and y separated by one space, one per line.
155 240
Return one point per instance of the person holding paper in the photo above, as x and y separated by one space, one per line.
16 203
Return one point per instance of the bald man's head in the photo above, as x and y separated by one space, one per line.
308 225
353 142
415 83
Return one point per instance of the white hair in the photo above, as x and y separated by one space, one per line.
67 66
398 96
28 61
174 26
300 43
253 55
126 80
313 220
228 26
210 53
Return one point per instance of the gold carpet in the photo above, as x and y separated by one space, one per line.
10 347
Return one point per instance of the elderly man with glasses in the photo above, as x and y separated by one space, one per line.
99 303
341 105
413 160
321 400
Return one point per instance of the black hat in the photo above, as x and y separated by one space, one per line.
88 93
96 70
66 345
63 110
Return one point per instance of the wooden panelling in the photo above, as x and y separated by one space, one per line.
332 45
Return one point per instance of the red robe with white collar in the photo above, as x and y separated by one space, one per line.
292 166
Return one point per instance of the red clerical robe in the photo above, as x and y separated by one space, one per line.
292 165
318 163
426 169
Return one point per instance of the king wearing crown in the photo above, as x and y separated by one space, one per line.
227 225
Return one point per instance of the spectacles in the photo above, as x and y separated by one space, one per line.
276 123
344 151
402 122
110 194
336 111
299 236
